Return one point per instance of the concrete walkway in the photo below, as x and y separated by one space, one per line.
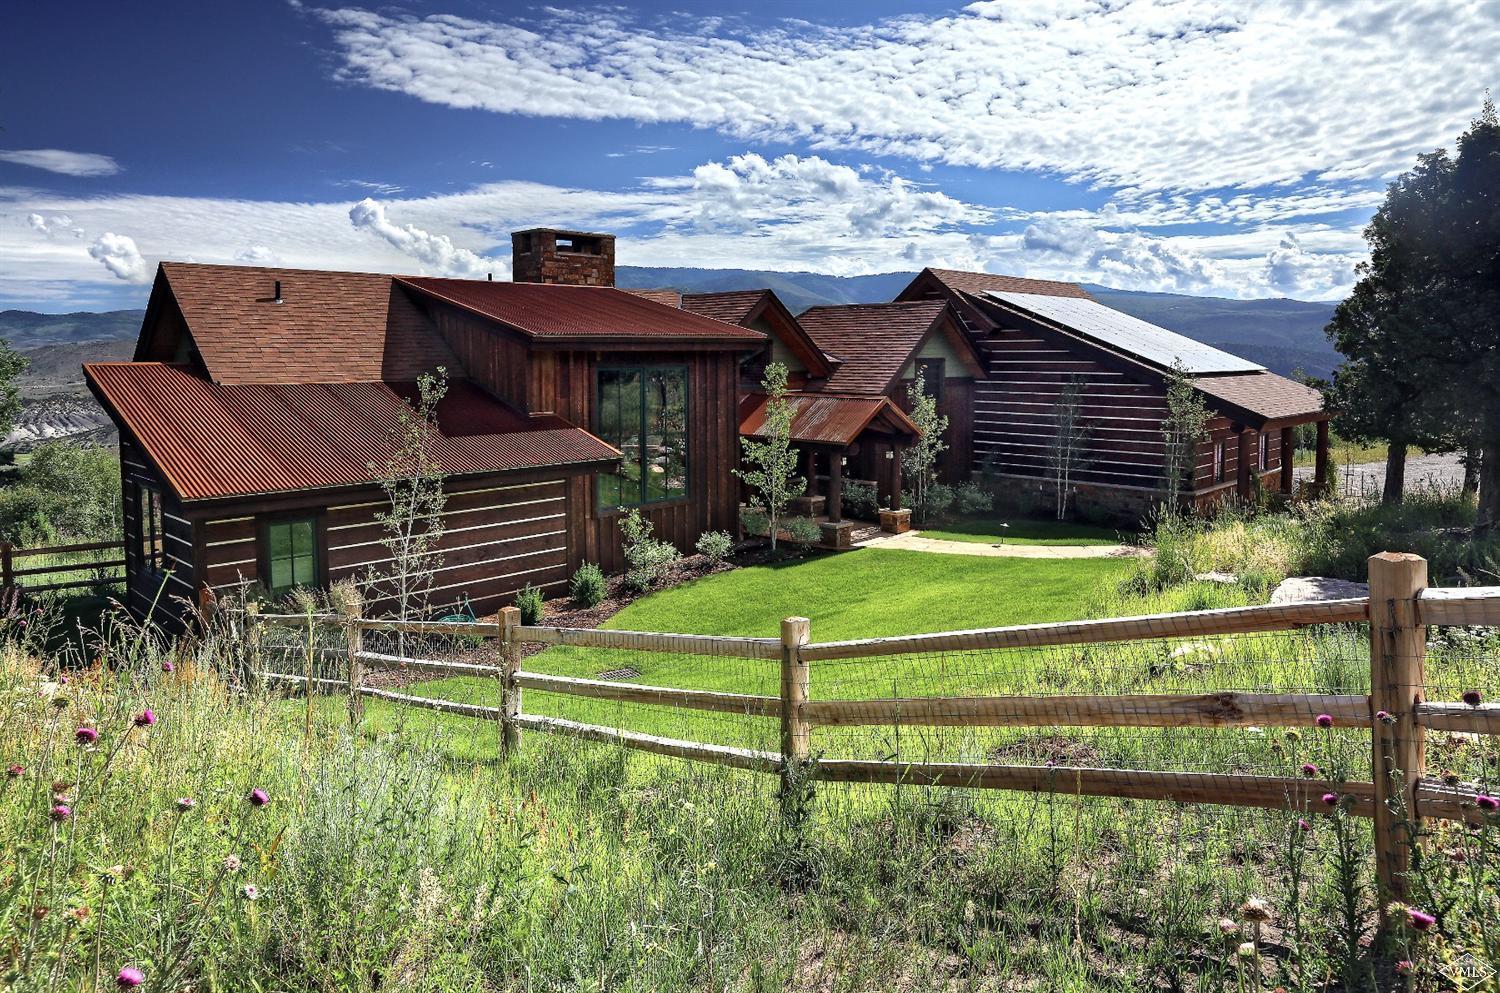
913 541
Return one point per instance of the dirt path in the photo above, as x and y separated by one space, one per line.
913 541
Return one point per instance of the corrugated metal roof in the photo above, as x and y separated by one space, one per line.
872 341
213 440
825 418
550 310
1264 394
1125 334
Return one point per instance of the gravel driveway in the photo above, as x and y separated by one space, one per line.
1367 479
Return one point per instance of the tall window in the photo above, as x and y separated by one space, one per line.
1220 452
148 535
1265 451
643 413
932 371
291 555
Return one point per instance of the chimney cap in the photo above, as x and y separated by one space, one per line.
567 232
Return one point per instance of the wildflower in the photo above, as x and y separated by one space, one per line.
1256 910
1450 778
1303 824
129 978
259 797
1309 770
1403 967
60 702
145 718
40 913
1472 698
167 665
186 803
1488 803
1384 717
1247 950
61 812
250 891
1228 927
1419 920
80 914
15 771
231 863
1292 734
1332 799
62 680
86 736
1325 720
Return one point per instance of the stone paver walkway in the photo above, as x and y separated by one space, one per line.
913 541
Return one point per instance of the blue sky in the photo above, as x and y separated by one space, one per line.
1218 148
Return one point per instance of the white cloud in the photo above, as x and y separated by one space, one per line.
435 251
56 224
118 254
256 255
1293 271
60 161
1146 94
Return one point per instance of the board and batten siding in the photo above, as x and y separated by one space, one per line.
498 536
148 595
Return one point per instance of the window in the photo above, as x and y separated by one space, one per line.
932 372
148 533
1219 458
643 413
1265 451
291 555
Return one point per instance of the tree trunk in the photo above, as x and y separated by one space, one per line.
1488 521
1395 473
1471 460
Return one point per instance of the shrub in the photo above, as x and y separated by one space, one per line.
860 501
803 530
530 602
588 586
755 521
974 498
647 558
714 546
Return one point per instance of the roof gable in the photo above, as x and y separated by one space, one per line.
874 342
743 307
829 418
975 283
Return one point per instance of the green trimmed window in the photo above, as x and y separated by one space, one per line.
291 555
643 412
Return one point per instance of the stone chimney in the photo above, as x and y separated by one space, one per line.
573 258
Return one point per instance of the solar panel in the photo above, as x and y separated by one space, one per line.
1123 333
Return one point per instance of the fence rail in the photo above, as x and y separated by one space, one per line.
1394 712
110 570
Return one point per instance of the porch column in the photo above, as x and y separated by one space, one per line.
836 485
1287 453
810 470
1320 474
895 471
1245 466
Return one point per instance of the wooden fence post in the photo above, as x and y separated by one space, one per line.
795 731
510 693
352 611
1398 648
7 565
252 646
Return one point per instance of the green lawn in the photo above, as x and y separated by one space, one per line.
1019 531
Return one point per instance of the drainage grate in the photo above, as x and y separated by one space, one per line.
619 673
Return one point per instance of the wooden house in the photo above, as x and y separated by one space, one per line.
1037 336
262 405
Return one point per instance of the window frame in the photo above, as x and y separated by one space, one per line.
1221 460
150 531
644 372
1265 451
932 387
263 525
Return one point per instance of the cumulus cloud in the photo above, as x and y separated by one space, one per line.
1210 95
256 255
118 254
60 161
1291 270
433 251
56 224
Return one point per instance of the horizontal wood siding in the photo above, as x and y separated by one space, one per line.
163 600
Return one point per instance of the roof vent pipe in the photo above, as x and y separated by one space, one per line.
490 276
278 291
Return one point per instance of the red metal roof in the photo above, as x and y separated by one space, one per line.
553 311
330 327
827 418
213 440
873 341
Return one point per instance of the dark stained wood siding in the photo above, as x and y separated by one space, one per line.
957 404
148 595
495 360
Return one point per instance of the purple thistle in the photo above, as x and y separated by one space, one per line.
129 978
1487 802
1309 770
167 666
1384 717
15 771
259 797
186 803
1303 825
61 812
1420 920
1472 698
86 736
1332 799
1325 720
145 718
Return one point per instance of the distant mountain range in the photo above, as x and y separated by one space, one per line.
1285 336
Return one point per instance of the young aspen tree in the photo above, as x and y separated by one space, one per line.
771 463
413 482
1185 425
1069 435
920 460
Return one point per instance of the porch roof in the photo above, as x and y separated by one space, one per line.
828 418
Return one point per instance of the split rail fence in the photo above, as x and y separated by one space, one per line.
62 567
1394 712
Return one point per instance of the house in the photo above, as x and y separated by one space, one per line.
262 404
1037 336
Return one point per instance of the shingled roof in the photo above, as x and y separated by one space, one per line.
976 283
731 306
213 440
873 341
1259 397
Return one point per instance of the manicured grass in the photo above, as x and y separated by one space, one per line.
1019 531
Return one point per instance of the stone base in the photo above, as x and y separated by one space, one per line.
837 536
895 521
807 506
